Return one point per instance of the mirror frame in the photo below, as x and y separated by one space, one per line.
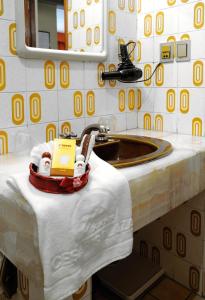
30 52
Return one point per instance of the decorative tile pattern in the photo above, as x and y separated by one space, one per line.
85 32
181 244
194 279
43 97
167 238
156 256
168 101
195 223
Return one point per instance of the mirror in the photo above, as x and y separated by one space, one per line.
71 29
46 24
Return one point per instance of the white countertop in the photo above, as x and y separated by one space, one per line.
161 185
156 188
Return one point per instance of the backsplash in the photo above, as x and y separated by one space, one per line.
174 100
33 105
41 98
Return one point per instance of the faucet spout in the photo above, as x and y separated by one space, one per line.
102 130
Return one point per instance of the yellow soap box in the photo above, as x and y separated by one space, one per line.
63 159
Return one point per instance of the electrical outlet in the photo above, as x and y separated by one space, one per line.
167 52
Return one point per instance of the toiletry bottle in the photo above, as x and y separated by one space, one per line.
45 164
78 151
79 168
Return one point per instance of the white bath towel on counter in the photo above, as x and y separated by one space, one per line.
82 232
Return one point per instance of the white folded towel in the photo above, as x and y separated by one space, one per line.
82 232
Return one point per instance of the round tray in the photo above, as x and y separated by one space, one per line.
65 185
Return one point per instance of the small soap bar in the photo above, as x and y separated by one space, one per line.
63 157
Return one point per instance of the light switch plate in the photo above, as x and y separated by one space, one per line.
167 52
183 51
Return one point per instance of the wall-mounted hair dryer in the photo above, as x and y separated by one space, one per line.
126 72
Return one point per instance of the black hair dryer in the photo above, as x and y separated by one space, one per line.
126 72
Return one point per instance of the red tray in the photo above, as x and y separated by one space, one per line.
66 185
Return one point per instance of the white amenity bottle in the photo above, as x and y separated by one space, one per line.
45 164
79 168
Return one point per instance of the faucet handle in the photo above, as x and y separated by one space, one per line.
102 135
70 135
104 129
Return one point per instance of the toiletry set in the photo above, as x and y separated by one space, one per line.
63 169
67 159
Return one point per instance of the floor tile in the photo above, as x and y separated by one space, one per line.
169 290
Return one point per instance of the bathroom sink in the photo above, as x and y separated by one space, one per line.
128 150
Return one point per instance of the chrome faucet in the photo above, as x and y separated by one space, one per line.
102 132
70 135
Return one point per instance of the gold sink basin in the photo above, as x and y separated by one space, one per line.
123 151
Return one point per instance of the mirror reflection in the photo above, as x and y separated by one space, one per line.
64 24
